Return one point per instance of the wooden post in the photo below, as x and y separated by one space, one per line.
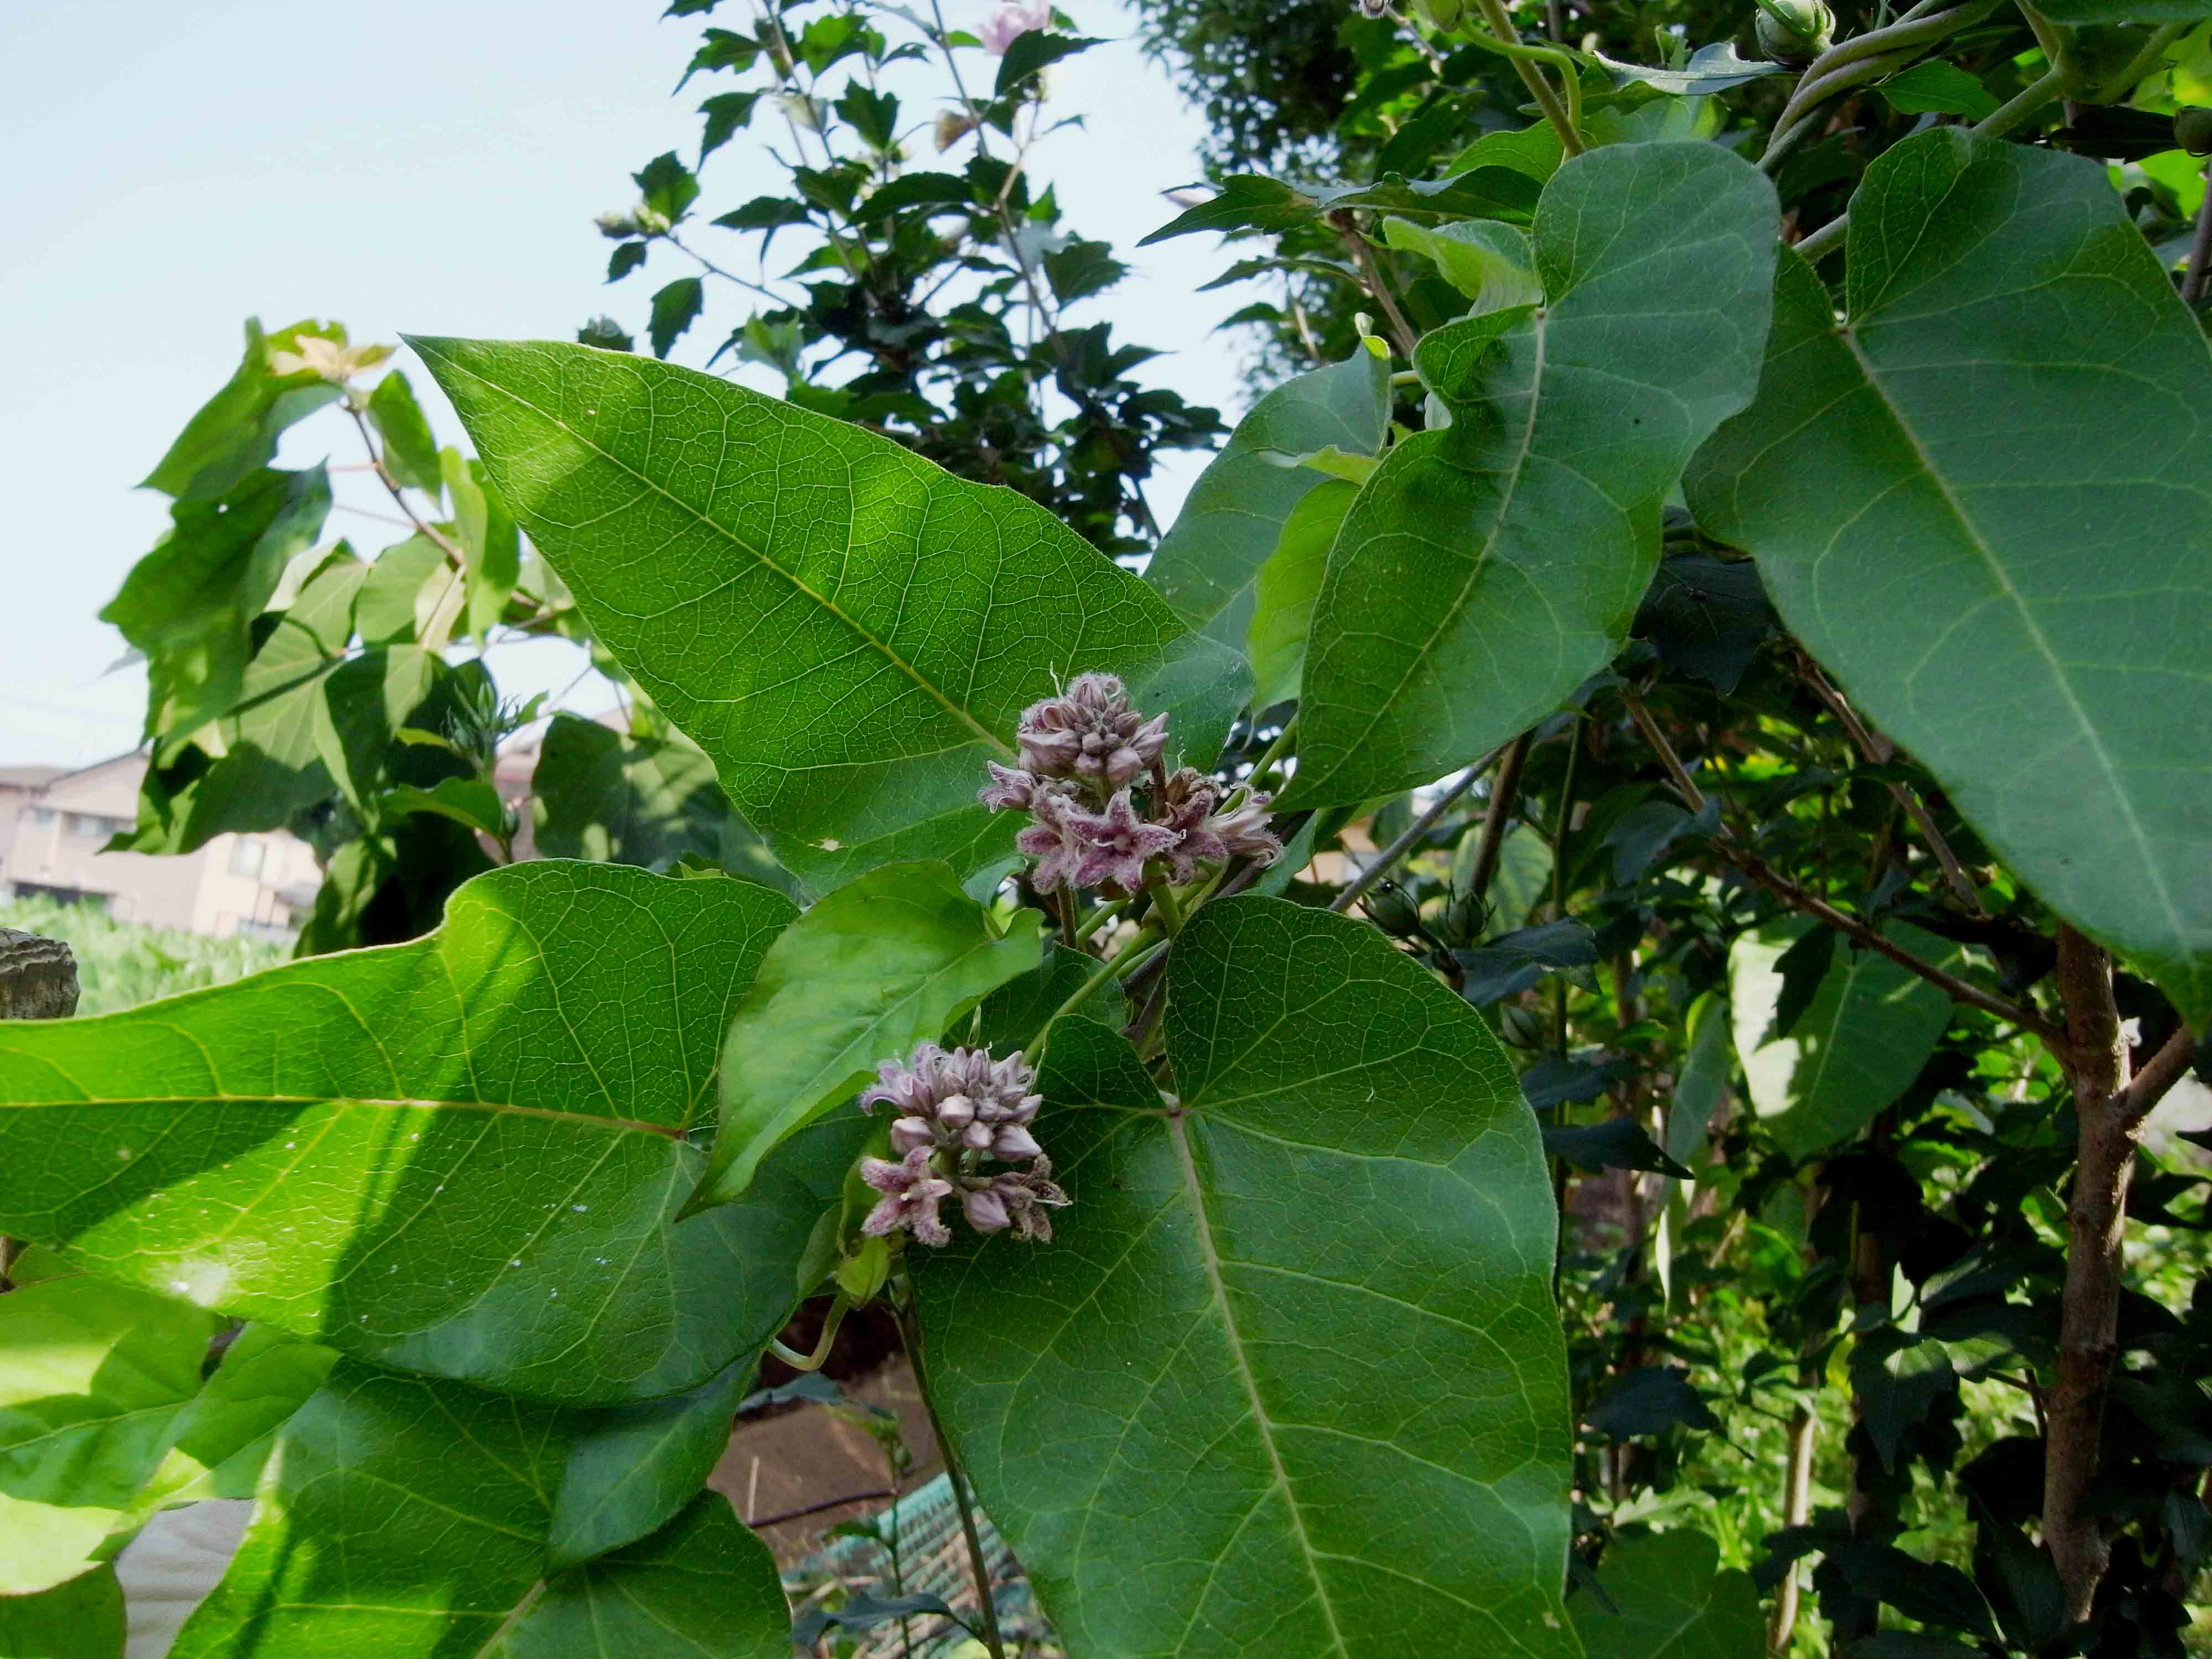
37 980
37 977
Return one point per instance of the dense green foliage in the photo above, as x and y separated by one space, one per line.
120 964
1668 1134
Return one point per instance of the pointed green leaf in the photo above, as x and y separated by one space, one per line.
885 963
1490 567
1233 518
91 1376
403 1517
222 1438
849 632
461 1155
1964 551
410 452
1857 1045
631 1467
1488 262
490 542
1283 591
468 801
1675 1602
1189 1412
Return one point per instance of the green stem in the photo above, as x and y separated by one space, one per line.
1098 918
1164 901
957 1478
1285 743
813 1362
1127 960
1504 40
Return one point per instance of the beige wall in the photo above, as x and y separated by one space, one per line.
232 882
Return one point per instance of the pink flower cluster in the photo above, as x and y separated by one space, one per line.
1013 18
958 1108
1088 759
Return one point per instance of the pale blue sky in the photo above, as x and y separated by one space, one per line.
425 164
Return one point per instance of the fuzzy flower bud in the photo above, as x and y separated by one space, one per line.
1018 1199
1091 733
959 1099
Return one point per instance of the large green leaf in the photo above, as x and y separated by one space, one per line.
80 1619
631 1467
1234 516
2127 11
1192 1413
1488 568
1854 1048
403 1517
1283 591
91 1376
1674 1603
848 631
879 965
462 1155
1983 502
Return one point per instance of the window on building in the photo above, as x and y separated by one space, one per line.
43 816
245 856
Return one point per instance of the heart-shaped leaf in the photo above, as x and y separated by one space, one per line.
1199 1386
848 631
1487 569
460 1156
1965 548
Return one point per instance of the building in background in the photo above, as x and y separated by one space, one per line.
54 824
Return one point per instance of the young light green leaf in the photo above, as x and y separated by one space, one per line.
1675 1602
2048 667
849 632
878 966
461 1155
1218 1329
1283 592
1488 568
631 1467
403 1517
1489 262
91 1376
1233 519
470 802
1856 1047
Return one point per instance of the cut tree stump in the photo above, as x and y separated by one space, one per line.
37 977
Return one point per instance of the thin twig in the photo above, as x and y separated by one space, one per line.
1880 749
708 265
1388 861
1754 867
429 531
805 1509
1371 275
962 1499
2200 249
2160 1073
1499 815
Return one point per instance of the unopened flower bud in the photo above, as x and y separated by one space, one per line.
2192 129
1012 1143
1795 31
1391 907
909 1132
952 125
985 1210
617 227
